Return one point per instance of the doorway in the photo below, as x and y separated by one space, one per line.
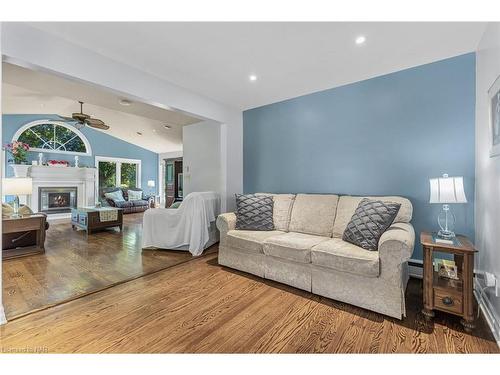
173 181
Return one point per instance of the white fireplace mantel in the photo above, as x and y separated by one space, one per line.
81 178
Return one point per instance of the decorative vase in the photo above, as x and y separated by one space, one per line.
20 170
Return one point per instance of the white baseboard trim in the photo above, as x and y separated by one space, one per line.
415 268
488 312
3 318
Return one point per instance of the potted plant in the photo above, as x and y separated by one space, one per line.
19 152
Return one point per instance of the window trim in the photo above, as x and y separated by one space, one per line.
118 162
31 124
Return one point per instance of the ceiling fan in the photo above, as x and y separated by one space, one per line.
81 119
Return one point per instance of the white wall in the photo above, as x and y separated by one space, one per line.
201 159
487 169
2 313
170 155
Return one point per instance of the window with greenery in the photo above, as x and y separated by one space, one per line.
129 175
53 137
113 172
107 175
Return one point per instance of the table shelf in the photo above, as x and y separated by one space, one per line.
447 284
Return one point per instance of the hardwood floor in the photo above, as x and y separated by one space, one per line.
201 307
75 265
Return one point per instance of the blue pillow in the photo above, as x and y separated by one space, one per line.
116 196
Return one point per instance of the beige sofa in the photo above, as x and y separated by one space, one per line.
306 251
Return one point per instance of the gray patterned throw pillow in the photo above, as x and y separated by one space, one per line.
369 222
254 212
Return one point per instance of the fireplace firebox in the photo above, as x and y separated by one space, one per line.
55 200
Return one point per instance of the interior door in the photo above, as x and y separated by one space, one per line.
169 183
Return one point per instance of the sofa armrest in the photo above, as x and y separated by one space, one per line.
110 202
395 247
397 241
226 222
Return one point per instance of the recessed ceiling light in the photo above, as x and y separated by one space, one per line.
167 126
360 39
252 77
125 102
154 130
139 133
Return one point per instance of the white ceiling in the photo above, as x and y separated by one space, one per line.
26 91
290 59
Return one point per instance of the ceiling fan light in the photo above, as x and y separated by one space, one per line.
125 102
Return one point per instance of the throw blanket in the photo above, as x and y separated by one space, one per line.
185 226
108 214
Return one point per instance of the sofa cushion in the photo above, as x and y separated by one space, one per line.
292 246
249 240
134 195
8 210
116 196
140 203
314 214
282 210
348 204
254 212
344 256
124 204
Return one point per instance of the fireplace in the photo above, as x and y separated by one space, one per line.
55 200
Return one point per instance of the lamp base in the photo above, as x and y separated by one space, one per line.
446 234
446 221
15 205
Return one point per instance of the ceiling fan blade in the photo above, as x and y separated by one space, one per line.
67 119
96 123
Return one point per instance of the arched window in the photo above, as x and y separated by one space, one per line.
53 136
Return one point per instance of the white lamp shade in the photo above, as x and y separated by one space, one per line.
17 186
151 183
446 190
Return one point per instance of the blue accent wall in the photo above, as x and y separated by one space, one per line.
383 136
102 144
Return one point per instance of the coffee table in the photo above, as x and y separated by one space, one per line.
91 219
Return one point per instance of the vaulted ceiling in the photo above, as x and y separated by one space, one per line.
288 59
26 91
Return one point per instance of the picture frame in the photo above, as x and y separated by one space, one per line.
494 117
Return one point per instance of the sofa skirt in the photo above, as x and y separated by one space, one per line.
241 260
288 272
375 294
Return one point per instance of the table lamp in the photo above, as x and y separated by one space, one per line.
17 186
446 190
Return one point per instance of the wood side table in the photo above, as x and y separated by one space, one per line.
451 296
21 228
